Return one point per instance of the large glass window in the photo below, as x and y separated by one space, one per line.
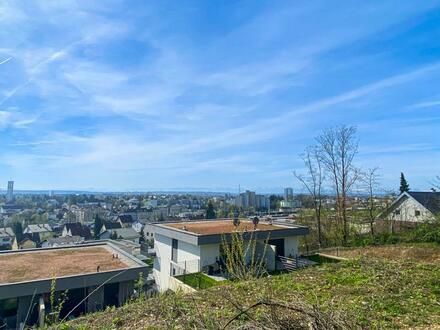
8 307
174 250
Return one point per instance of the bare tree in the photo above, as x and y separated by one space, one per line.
436 183
312 182
338 147
371 180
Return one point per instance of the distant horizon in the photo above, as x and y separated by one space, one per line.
204 95
183 191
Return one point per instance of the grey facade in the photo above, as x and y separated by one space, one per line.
196 239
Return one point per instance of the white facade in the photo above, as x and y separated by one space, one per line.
195 258
162 262
406 208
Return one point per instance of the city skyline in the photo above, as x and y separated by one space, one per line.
202 96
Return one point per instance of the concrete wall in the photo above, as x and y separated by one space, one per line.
161 270
176 285
208 254
187 252
291 246
270 257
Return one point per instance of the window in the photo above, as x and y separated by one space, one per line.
417 213
397 212
8 307
174 250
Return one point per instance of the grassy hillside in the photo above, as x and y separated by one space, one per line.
364 293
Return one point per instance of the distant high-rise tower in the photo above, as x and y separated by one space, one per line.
10 194
288 194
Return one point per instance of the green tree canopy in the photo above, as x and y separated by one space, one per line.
404 186
97 226
210 211
18 229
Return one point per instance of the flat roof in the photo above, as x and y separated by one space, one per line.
214 231
212 227
37 264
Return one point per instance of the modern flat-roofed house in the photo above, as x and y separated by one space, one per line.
413 206
101 270
197 246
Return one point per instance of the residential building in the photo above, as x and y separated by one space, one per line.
43 231
161 213
130 247
249 199
128 234
9 209
25 288
413 206
10 193
288 194
62 241
6 238
133 203
27 241
76 229
126 220
108 225
290 204
137 226
189 247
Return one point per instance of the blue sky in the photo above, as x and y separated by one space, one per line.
206 95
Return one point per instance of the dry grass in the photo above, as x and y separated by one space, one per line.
27 266
221 227
358 294
415 252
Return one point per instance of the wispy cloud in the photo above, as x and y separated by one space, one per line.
5 60
149 96
426 104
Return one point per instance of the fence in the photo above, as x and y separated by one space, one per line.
290 264
314 249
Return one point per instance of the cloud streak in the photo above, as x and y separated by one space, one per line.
194 99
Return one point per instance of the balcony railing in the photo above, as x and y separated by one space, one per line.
184 267
292 263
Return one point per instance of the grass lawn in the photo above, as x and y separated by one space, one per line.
370 293
197 280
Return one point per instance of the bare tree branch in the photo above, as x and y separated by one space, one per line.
313 181
338 148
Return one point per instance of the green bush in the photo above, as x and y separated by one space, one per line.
427 232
